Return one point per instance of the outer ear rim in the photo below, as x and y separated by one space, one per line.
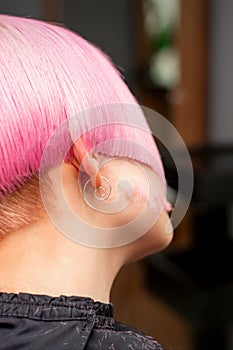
87 162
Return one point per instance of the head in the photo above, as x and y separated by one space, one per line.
49 74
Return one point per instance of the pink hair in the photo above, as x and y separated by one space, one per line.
47 75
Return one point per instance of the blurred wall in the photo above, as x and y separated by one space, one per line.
30 8
221 71
107 23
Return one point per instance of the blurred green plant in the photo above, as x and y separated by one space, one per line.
161 19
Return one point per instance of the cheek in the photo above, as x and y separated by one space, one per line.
126 177
135 184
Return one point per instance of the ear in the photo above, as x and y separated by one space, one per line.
86 162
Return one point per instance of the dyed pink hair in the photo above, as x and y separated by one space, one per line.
48 74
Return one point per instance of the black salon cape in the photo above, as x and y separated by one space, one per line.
43 322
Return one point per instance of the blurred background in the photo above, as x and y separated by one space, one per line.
176 56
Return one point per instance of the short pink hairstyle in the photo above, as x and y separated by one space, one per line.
47 75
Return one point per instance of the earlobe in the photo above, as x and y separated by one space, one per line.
87 163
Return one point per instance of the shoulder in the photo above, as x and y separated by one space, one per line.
136 339
121 337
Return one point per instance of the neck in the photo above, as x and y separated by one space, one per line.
41 260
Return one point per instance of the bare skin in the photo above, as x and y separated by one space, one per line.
39 259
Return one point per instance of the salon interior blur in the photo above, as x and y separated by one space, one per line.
176 56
